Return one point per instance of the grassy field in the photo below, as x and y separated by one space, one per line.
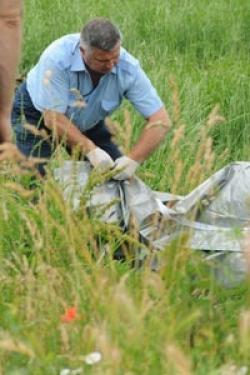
60 298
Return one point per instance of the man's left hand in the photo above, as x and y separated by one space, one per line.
126 168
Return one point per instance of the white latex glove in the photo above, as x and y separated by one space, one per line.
100 159
126 166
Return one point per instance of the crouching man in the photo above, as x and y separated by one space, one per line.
78 81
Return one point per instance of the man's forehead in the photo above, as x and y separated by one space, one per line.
115 51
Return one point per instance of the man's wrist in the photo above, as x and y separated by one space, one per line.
87 146
133 155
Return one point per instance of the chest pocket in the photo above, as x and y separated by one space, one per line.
108 106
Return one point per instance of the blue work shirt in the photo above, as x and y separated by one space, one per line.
60 82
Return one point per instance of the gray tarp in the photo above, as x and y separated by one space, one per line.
216 215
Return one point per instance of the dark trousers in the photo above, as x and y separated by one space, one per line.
29 144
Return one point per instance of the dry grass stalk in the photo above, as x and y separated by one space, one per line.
214 118
9 151
176 158
204 155
114 128
79 102
246 247
37 132
17 188
177 177
15 162
35 232
244 330
9 344
180 362
203 164
106 346
176 115
128 130
157 124
121 132
64 337
178 136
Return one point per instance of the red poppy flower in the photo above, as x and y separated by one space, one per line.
70 315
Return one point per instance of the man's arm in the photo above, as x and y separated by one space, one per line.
152 135
62 128
10 41
154 132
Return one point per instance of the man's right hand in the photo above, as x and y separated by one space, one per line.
100 159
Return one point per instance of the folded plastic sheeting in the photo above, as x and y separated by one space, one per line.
216 215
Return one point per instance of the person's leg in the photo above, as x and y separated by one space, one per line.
29 144
101 136
36 147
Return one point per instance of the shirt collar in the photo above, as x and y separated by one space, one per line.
77 64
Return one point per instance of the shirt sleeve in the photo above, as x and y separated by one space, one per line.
48 86
143 95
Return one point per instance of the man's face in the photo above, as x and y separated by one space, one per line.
99 60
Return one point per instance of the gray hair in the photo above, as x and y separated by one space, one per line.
100 33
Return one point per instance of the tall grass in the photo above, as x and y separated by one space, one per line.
204 45
177 320
174 321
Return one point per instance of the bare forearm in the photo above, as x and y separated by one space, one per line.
62 128
148 142
10 40
152 135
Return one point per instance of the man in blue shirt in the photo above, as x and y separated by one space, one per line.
78 81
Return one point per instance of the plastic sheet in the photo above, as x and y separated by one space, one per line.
216 215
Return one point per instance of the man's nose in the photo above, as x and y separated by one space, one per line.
110 64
